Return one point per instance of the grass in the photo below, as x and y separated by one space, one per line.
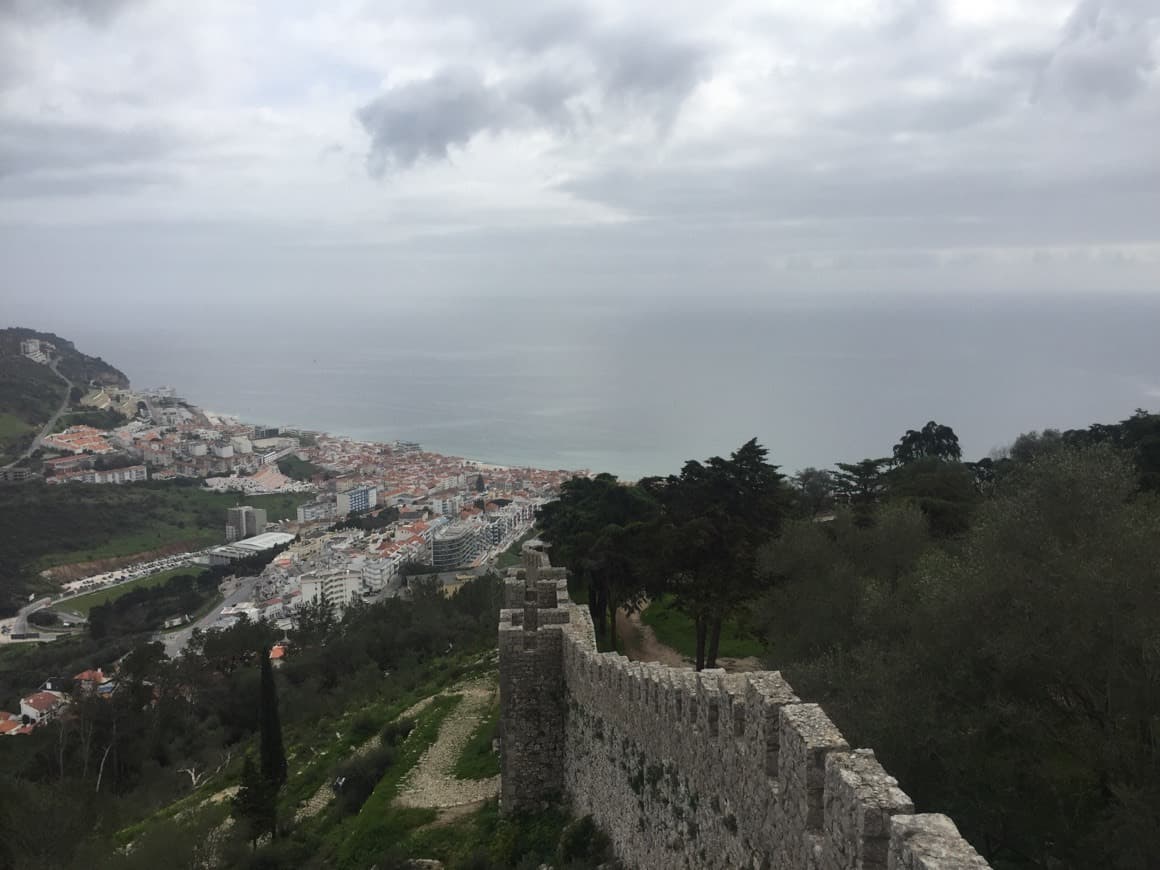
171 515
517 840
85 603
510 558
674 628
378 826
12 426
478 760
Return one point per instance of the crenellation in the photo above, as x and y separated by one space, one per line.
860 799
691 770
930 841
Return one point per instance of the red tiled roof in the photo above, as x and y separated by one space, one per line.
43 701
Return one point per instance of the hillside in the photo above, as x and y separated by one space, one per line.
45 526
31 392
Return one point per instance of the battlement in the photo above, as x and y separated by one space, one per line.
688 769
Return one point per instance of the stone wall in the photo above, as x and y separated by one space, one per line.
686 769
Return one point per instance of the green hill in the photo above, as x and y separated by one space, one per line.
30 392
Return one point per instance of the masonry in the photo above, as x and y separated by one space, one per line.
687 769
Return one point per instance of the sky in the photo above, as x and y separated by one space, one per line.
163 158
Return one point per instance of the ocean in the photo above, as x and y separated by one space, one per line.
638 387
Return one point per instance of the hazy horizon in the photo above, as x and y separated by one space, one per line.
638 389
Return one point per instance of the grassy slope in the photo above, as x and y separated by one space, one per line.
85 603
380 828
673 628
510 558
45 526
29 394
177 515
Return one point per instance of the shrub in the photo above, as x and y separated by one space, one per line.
359 776
396 732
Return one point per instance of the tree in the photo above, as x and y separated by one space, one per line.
815 488
714 515
254 803
933 441
480 486
593 528
273 755
861 484
944 491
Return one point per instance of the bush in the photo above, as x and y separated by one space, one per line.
360 775
582 844
363 726
396 732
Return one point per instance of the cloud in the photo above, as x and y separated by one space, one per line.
29 146
1106 52
93 11
570 72
426 118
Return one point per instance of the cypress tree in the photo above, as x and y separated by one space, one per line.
273 755
253 805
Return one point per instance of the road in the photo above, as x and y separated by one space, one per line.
19 623
175 641
48 427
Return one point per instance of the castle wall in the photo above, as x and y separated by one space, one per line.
693 770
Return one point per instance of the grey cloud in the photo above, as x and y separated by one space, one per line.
1105 52
73 184
425 118
30 146
93 11
873 206
562 58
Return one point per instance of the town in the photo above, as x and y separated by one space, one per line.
371 517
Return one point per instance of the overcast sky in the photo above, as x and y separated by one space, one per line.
165 150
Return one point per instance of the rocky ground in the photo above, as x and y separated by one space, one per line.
431 782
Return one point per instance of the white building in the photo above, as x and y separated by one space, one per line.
361 498
455 545
338 587
42 706
34 349
317 510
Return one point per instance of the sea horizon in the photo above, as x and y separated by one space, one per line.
639 389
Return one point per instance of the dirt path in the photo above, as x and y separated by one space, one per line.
431 782
640 644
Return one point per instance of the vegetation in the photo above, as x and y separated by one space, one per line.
43 526
30 393
301 469
674 628
988 627
176 732
147 607
479 759
98 418
84 603
510 558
